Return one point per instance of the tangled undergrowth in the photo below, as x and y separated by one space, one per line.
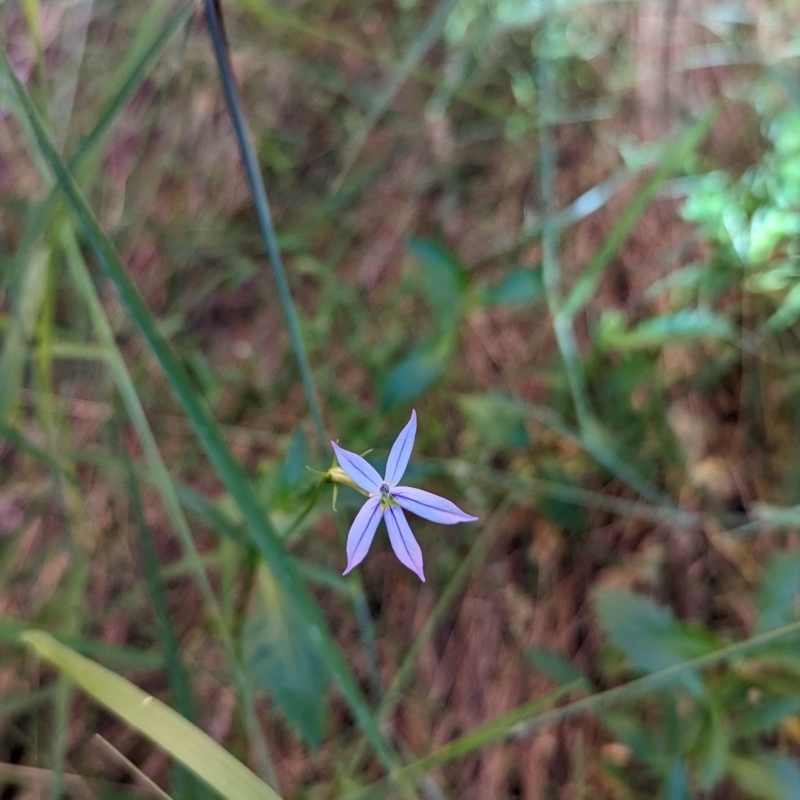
565 232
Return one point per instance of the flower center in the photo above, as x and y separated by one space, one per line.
386 497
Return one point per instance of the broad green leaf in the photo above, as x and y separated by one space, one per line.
649 635
780 586
769 776
425 365
280 659
677 328
445 281
498 419
120 656
522 287
282 483
158 722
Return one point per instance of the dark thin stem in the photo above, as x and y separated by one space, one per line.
259 194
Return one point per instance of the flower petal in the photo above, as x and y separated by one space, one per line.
430 506
403 542
362 532
360 470
401 452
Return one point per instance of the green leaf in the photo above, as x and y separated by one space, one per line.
649 635
293 472
155 720
677 328
634 733
780 586
716 740
498 419
764 716
425 365
769 227
770 776
445 281
281 485
522 287
280 659
554 666
789 311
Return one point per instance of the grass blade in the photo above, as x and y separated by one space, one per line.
132 73
185 786
163 481
427 37
260 530
155 720
529 717
586 286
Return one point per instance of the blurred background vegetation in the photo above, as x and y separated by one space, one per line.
566 232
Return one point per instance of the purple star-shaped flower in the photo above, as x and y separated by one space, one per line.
387 499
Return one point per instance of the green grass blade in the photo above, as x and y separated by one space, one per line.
118 656
586 286
27 307
455 586
185 786
259 194
161 478
16 437
132 768
155 720
415 53
228 469
132 73
529 717
473 740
